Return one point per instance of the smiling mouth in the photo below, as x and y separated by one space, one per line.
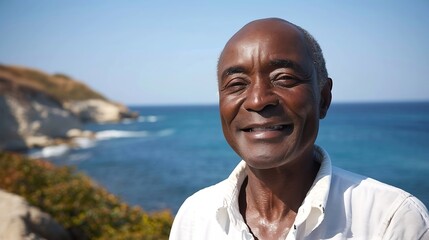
287 127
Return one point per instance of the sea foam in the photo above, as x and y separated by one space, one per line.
150 119
109 134
85 143
50 151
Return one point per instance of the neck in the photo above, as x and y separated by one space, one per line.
269 198
277 193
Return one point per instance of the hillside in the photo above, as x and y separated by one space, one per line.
40 109
59 86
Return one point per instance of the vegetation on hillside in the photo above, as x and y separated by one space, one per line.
86 210
60 86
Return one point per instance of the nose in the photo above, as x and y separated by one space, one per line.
260 96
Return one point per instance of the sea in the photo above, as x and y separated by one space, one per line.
159 159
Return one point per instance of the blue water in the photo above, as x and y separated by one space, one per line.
171 152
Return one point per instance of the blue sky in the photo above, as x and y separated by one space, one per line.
165 52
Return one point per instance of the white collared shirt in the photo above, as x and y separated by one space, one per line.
339 205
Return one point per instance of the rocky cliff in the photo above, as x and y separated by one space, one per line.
19 220
38 109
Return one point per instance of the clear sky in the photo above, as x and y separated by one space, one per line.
165 52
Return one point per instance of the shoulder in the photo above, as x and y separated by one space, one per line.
206 199
350 181
395 211
409 219
368 190
198 212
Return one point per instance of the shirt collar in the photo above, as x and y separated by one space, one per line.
310 214
312 210
229 212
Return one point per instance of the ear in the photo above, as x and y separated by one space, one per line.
325 98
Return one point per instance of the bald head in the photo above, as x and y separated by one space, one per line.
264 28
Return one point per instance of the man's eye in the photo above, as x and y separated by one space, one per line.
286 81
235 85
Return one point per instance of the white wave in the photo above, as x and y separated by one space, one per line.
50 151
150 119
109 134
83 143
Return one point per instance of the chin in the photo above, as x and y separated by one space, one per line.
264 161
269 158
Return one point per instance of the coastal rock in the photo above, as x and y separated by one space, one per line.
39 109
97 110
32 119
19 221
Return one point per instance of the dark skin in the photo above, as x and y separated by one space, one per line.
270 105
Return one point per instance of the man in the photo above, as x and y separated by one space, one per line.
273 89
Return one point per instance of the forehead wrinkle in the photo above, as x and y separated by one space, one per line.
241 57
260 55
245 38
232 70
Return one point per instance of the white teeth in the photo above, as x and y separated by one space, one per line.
278 127
270 128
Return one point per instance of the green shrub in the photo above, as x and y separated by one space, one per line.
88 211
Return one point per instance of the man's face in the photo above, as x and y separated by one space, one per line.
268 95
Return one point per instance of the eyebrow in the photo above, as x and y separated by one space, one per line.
286 63
278 63
232 70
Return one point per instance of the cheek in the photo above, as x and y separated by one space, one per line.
309 112
303 104
228 108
